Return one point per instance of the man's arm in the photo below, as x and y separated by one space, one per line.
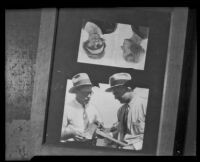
136 121
70 132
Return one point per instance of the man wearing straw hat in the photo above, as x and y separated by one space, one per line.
80 112
131 115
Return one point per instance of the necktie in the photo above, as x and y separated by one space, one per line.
125 118
85 119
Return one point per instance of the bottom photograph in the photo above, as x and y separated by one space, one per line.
108 115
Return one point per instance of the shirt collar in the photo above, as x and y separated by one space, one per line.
133 98
79 105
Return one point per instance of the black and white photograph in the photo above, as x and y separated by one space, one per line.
107 80
108 115
100 82
113 44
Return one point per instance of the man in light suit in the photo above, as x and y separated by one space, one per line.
80 112
131 115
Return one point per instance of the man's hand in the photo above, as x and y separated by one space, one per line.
71 132
114 127
135 141
79 136
130 136
130 147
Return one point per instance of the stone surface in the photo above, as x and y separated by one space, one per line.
17 139
22 30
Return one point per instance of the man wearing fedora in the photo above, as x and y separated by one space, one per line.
131 115
80 112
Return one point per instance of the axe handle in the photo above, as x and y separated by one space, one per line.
133 137
110 138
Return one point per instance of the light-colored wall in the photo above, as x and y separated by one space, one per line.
22 29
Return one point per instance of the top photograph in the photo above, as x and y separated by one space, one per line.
113 44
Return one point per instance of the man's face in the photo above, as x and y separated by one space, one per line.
95 41
119 93
83 94
126 47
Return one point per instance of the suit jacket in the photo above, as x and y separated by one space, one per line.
136 116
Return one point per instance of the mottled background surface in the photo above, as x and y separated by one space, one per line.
22 29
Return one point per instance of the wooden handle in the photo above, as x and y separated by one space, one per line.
133 137
110 138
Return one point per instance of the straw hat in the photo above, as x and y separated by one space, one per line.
81 79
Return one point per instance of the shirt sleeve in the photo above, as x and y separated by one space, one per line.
65 126
136 121
67 116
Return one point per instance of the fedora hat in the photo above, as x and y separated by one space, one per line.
78 80
118 79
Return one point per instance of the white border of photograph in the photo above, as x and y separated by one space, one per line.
104 102
113 52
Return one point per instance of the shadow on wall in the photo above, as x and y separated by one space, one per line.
22 30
